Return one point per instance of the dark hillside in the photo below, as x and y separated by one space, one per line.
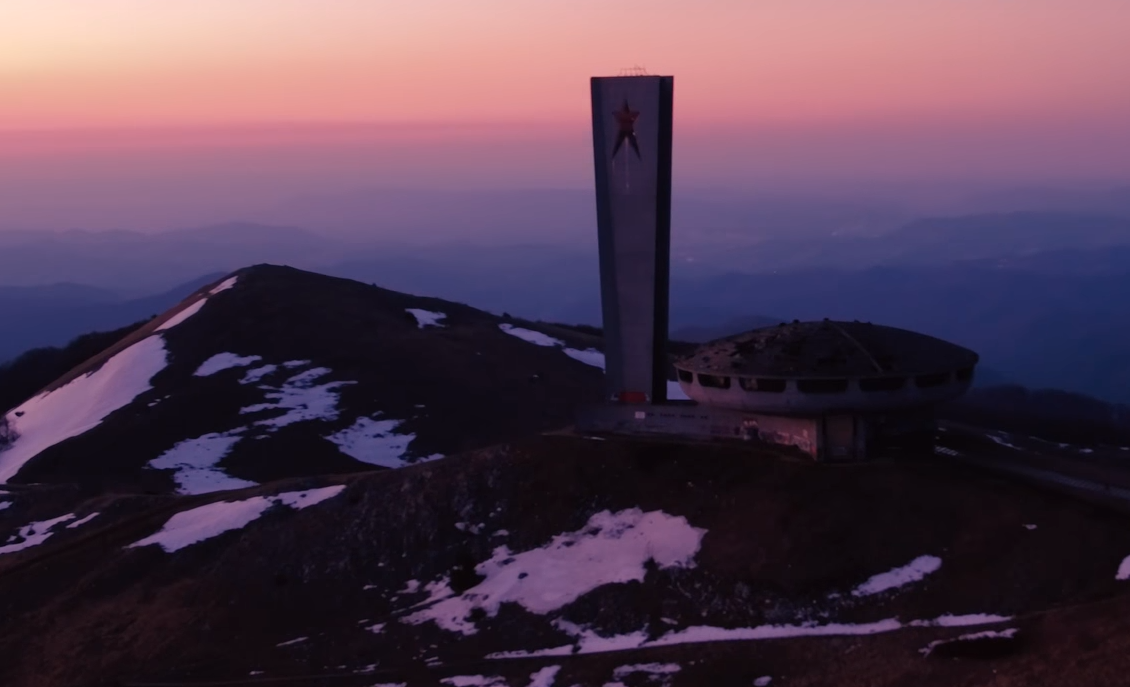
781 545
1049 414
285 373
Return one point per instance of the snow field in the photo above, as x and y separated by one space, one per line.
204 522
588 642
195 461
544 677
33 534
987 634
183 315
589 356
914 571
611 548
658 673
374 442
301 398
224 285
82 404
224 361
426 318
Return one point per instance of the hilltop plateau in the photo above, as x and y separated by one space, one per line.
210 501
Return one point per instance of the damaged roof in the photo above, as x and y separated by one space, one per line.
828 349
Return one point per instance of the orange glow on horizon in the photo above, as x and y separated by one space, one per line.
125 63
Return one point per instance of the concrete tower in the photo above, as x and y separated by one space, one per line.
631 127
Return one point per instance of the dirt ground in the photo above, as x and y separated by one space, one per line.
783 537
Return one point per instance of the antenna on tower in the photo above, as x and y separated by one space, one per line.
633 71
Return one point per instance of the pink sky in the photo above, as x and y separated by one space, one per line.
884 89
67 63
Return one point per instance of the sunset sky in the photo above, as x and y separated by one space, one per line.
820 88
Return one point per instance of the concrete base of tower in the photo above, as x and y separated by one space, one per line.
827 437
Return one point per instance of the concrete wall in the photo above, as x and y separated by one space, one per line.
792 400
689 421
838 437
633 194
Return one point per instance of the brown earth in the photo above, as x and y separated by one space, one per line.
782 535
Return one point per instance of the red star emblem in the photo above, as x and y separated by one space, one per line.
626 119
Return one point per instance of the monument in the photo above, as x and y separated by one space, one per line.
631 125
833 390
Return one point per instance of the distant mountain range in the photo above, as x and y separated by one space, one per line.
1041 295
706 243
36 316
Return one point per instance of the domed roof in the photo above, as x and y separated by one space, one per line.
828 349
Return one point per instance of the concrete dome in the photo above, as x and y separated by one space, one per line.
818 367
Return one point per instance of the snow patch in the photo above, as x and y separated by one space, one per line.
5 504
529 335
914 571
588 642
950 620
652 668
82 521
301 399
204 522
662 671
410 587
224 285
1002 442
254 375
292 642
33 534
1123 570
183 315
195 463
224 361
311 497
589 356
474 681
544 677
987 634
426 318
81 404
1029 527
296 363
374 442
377 628
195 460
762 681
611 548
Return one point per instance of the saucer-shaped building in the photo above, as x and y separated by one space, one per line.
833 390
854 384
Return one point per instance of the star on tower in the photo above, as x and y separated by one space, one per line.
626 119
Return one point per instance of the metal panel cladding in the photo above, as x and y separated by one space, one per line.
632 120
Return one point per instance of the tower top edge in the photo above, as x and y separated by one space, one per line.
631 77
